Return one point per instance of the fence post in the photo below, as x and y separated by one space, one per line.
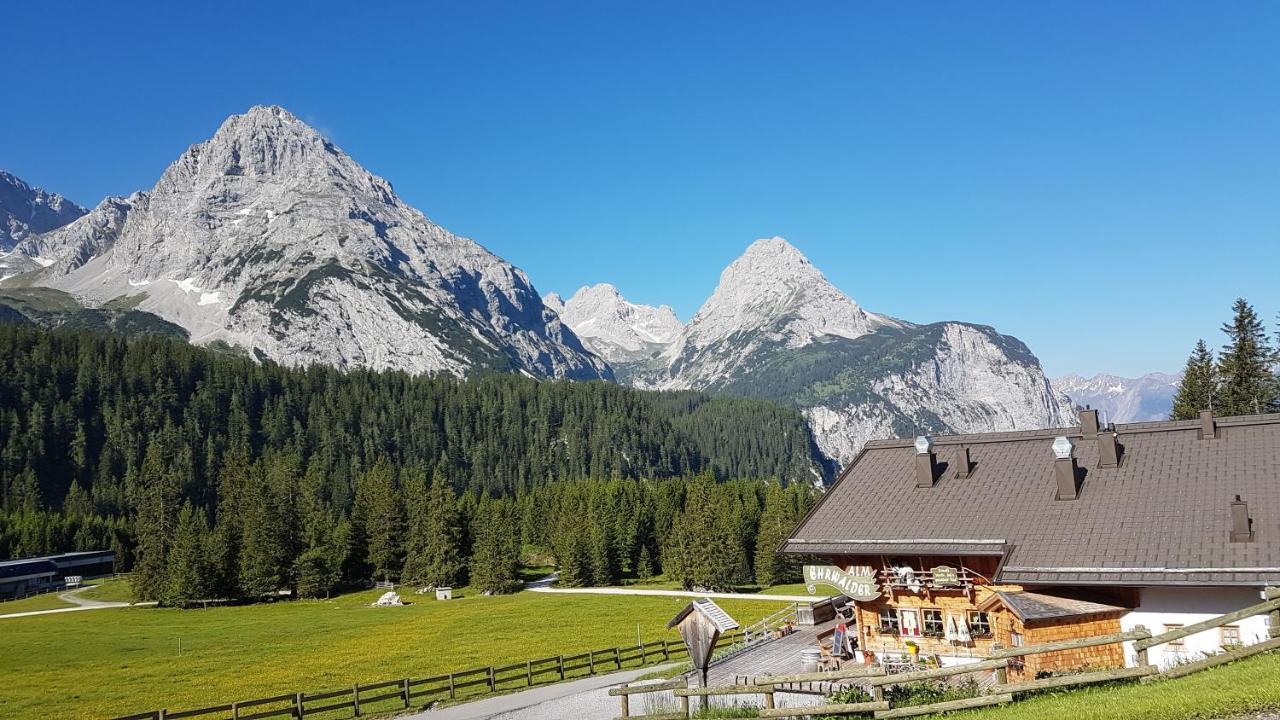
406 692
666 651
528 673
1271 594
560 665
617 657
493 685
297 706
451 690
591 663
768 699
1143 657
684 701
877 693
355 699
235 710
1002 674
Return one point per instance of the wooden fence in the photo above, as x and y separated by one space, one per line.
408 692
997 693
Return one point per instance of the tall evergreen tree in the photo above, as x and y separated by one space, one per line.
188 565
495 560
434 557
381 514
155 525
1199 384
777 521
1248 385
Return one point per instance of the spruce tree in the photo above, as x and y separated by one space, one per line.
1199 384
382 514
1248 385
433 558
188 566
495 560
777 521
155 525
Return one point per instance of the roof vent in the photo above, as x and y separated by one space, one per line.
1088 422
1065 471
1241 524
1208 428
926 462
1109 448
963 463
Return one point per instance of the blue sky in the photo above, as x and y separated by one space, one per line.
1100 180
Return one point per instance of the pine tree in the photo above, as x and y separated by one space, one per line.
495 560
155 525
188 566
382 515
1248 385
777 521
1199 384
434 557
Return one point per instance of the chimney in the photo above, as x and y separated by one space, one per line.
1208 428
1088 422
1241 525
1109 448
963 464
1064 468
926 462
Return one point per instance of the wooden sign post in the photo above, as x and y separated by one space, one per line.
700 624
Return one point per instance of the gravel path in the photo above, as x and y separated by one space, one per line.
73 597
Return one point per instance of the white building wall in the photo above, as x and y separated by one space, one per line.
1162 606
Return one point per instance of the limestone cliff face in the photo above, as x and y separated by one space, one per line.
269 237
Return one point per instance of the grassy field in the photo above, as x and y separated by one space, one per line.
1246 686
106 662
45 601
116 590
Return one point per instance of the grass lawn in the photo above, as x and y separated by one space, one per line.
44 601
102 663
1245 686
109 590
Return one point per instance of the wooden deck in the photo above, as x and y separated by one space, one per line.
775 657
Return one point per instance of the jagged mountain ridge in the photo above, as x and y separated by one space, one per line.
776 328
269 237
619 331
27 211
1123 400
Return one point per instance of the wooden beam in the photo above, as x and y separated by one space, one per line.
647 687
1209 624
981 701
1179 670
809 710
902 678
723 690
1070 644
859 671
1078 679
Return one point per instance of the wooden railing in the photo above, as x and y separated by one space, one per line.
406 692
1002 691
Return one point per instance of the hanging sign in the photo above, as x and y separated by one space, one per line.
944 576
857 587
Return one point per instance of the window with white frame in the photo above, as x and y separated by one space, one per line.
889 621
934 624
1230 636
979 624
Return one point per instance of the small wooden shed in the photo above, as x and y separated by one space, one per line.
701 623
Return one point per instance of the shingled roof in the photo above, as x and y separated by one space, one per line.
1162 517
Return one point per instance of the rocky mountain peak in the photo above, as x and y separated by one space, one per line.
774 288
27 211
613 327
268 237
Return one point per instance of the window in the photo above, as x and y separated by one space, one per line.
1175 645
909 621
888 621
1230 636
934 626
979 625
1016 640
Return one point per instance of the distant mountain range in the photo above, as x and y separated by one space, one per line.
776 328
1123 400
269 240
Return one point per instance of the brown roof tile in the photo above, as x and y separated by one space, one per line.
1162 517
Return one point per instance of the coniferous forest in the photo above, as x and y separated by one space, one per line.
214 476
